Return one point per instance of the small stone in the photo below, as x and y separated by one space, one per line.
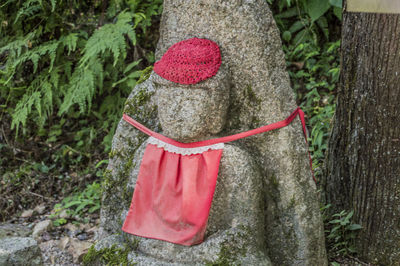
78 249
40 228
46 236
40 208
71 227
27 213
64 243
84 227
19 250
82 236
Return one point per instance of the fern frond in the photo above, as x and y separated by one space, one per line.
110 37
36 53
29 9
70 41
82 86
53 5
23 108
16 47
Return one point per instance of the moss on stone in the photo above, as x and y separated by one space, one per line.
145 74
274 181
113 255
134 106
251 96
292 202
229 254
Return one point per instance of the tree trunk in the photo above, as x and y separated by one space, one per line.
363 163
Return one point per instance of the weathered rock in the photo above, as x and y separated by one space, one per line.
54 254
19 251
63 243
40 208
78 249
41 227
8 230
26 213
268 174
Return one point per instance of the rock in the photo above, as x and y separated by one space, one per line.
54 255
84 227
27 213
109 241
82 236
46 236
19 251
78 249
40 209
64 243
72 229
7 230
272 167
40 228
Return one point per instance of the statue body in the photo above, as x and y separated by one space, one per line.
189 113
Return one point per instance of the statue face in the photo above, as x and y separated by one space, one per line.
192 112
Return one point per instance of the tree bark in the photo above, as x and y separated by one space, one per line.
363 160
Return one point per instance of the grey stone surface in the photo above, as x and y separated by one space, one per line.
41 227
19 251
8 230
265 206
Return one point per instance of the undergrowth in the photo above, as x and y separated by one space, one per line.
66 68
341 233
310 31
77 205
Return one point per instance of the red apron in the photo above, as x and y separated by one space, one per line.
176 184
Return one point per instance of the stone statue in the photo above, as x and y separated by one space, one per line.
265 206
190 113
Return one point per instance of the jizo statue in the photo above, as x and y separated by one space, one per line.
175 204
211 186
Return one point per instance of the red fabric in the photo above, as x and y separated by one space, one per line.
173 195
189 61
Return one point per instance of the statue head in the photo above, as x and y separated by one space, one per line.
192 90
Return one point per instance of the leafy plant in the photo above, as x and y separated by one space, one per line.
311 46
340 232
87 201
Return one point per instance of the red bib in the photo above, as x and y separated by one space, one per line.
176 184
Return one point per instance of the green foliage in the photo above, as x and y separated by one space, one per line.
72 59
66 69
340 232
311 46
78 204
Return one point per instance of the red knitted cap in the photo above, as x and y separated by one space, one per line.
189 61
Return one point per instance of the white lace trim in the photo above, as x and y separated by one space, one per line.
183 151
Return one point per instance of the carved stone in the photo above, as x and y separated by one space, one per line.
265 206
